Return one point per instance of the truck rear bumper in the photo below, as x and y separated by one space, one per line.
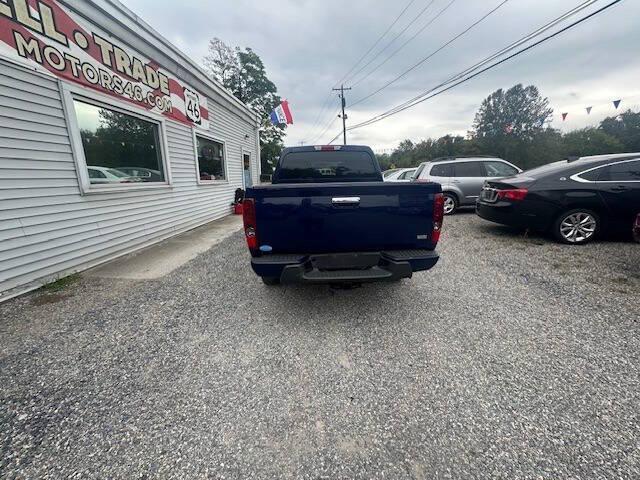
355 267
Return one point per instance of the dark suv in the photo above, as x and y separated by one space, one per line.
574 199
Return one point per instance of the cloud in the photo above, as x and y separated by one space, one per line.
307 46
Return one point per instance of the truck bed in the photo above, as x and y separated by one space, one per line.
344 217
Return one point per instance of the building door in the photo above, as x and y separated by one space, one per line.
246 162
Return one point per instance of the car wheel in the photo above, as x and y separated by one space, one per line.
450 203
577 227
270 281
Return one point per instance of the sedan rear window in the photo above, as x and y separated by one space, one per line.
328 166
621 172
548 168
499 169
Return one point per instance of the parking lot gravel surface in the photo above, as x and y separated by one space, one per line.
514 357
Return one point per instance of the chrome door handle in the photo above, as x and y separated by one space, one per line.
345 200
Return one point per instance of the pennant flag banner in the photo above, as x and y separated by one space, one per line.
281 114
589 109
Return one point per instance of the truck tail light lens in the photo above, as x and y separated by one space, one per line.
250 225
516 194
438 217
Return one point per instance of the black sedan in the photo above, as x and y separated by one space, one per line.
576 200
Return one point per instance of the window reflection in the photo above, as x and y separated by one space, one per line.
118 148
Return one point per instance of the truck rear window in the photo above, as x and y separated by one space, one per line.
328 167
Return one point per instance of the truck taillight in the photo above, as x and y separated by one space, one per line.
438 217
516 194
250 226
327 148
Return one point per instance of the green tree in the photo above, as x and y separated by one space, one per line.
243 73
590 141
384 160
513 123
221 62
625 128
519 112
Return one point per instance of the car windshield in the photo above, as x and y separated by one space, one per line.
418 171
388 173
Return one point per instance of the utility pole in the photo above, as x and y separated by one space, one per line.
343 101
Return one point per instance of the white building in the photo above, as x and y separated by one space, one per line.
110 139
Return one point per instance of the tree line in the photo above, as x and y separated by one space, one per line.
515 124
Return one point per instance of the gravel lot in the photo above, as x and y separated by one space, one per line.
514 357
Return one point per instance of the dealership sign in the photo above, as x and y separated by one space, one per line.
55 40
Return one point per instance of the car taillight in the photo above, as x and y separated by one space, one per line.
422 180
515 194
438 216
249 220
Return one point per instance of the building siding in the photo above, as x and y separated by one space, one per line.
49 229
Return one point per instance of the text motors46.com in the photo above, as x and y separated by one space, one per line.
68 65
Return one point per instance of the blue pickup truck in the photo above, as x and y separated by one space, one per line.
329 218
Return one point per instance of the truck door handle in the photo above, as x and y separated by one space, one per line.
619 188
345 200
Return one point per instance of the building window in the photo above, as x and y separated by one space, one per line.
210 159
119 148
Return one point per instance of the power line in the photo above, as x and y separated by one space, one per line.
415 19
316 122
334 138
329 97
395 52
326 128
346 75
427 96
509 47
442 47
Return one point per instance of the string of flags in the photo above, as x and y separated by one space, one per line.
616 104
281 114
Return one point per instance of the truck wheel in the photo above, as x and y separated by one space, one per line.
450 203
576 227
270 281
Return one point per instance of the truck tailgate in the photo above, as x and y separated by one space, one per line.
344 217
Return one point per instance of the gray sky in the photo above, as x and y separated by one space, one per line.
308 45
